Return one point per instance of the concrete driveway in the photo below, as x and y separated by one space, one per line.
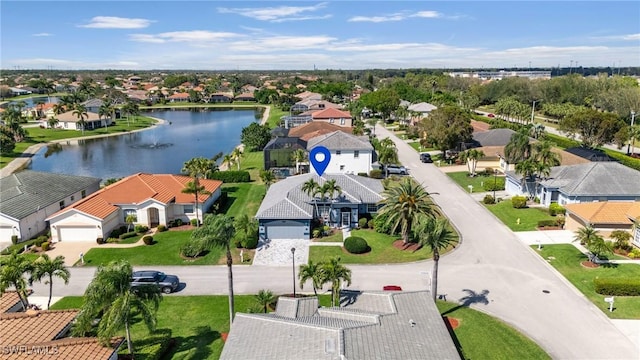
70 250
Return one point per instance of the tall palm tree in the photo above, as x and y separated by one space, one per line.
330 187
53 122
12 274
267 177
106 110
404 203
436 235
196 168
111 295
245 226
44 266
59 108
311 271
299 156
471 157
387 153
80 111
528 169
236 154
228 160
311 188
537 130
335 273
218 230
518 148
265 299
543 153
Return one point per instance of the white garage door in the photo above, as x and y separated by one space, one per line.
76 233
284 229
5 233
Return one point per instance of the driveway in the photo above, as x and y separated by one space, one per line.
70 250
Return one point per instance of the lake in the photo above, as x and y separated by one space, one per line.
185 134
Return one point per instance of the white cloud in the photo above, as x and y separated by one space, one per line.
193 36
112 22
627 37
42 34
277 14
396 16
427 14
282 43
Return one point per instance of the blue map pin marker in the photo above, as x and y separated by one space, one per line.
319 157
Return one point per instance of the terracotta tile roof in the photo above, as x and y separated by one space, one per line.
606 212
316 128
68 349
137 188
179 96
8 300
41 326
331 113
567 158
69 116
479 126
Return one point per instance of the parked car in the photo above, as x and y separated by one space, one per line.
396 169
491 115
165 283
426 158
391 288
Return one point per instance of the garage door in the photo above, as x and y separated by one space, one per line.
76 233
5 233
286 230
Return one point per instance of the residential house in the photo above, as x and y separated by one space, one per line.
589 182
605 217
279 151
179 97
154 199
367 325
245 97
93 105
421 110
313 104
221 97
316 128
590 154
308 95
70 121
350 154
28 197
333 116
286 211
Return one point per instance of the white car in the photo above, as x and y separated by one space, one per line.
396 169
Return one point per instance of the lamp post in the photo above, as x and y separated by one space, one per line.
632 139
533 110
293 268
495 181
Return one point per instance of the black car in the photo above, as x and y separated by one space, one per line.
425 158
165 283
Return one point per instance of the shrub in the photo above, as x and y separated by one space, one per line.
316 233
162 228
382 225
556 209
45 246
232 176
140 229
40 240
356 245
376 174
115 233
113 240
519 202
148 240
127 235
250 242
496 184
547 223
489 199
363 174
635 252
617 286
156 345
362 223
192 248
14 239
370 224
177 222
194 222
100 241
560 221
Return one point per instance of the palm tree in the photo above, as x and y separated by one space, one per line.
196 168
311 271
218 230
299 156
372 123
404 203
586 235
106 110
81 113
518 148
543 153
387 153
236 154
621 238
528 169
330 187
111 295
227 159
267 177
47 267
335 273
12 272
265 299
130 219
53 122
537 130
59 108
471 157
245 226
311 188
436 235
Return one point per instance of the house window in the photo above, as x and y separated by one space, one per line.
341 121
356 154
341 167
61 204
331 121
83 193
338 152
372 208
127 213
187 209
73 198
66 125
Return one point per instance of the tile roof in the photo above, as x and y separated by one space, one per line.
286 200
179 96
339 140
422 107
409 326
68 349
309 95
316 128
41 326
93 103
331 113
69 116
606 212
137 188
25 192
8 300
496 137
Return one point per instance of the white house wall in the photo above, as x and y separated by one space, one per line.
346 163
110 223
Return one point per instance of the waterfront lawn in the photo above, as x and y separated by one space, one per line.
253 162
529 217
274 116
242 198
567 259
164 251
480 336
463 179
382 251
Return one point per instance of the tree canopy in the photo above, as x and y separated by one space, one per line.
255 137
447 127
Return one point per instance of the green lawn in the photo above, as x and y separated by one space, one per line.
382 251
463 179
165 251
566 259
416 146
274 116
529 217
481 336
335 237
243 198
253 162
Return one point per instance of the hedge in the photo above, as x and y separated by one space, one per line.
127 235
494 184
562 142
155 346
232 176
356 245
556 209
624 159
519 202
18 247
617 286
550 222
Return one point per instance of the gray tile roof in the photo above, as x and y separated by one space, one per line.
350 332
496 137
286 200
592 179
340 140
93 103
25 192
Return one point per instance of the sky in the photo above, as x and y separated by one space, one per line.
303 35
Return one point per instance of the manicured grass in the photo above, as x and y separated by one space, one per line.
382 251
253 162
463 179
243 198
335 237
274 116
165 251
416 146
529 217
67 302
566 259
481 336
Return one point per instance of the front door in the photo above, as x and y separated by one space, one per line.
346 216
154 217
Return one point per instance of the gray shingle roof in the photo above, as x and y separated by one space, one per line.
340 140
286 200
24 192
496 137
355 331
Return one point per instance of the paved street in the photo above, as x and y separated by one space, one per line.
492 271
